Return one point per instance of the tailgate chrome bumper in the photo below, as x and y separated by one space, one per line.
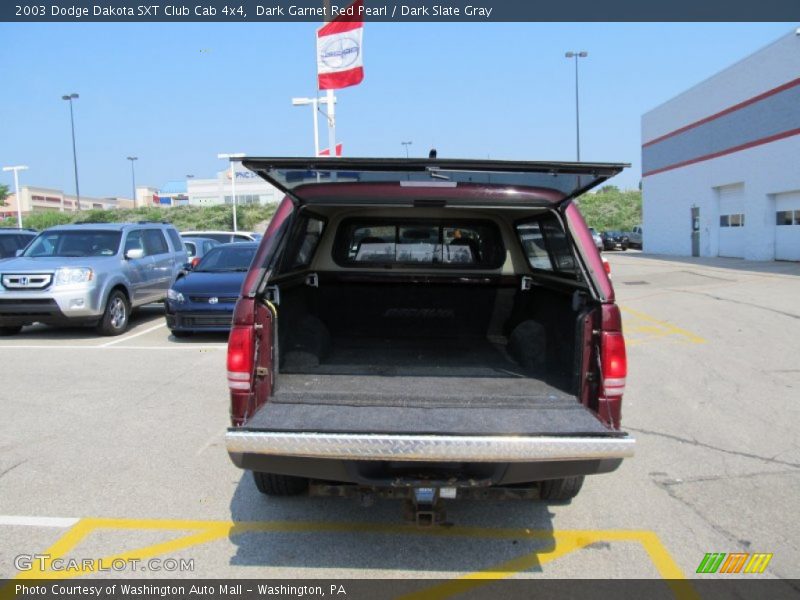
354 446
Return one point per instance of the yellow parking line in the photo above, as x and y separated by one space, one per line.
203 532
668 327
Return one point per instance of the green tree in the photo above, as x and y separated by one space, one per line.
3 194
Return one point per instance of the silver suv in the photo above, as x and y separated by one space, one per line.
92 274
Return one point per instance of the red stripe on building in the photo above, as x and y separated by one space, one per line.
727 111
759 142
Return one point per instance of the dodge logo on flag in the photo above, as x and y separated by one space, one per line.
340 53
340 61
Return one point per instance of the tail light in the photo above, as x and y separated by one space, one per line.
606 264
614 363
195 261
240 357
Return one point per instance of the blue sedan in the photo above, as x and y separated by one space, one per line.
204 297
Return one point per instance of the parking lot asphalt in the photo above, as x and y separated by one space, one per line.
113 447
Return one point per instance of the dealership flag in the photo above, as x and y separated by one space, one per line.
327 151
340 60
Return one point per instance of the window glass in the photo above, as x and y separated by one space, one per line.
465 244
89 242
227 258
134 241
176 240
154 242
724 221
783 217
546 245
302 251
190 249
530 234
558 244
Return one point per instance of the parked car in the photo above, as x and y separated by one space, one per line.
13 240
614 239
202 299
91 274
598 239
635 237
427 329
197 248
223 237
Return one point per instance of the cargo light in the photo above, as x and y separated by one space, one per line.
240 357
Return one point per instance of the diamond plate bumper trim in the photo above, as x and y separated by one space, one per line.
427 447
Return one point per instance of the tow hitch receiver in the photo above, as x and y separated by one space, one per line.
427 507
422 505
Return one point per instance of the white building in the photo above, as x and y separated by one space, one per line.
250 189
721 162
38 199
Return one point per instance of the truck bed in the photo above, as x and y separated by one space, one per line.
424 405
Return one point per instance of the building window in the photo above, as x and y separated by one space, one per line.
736 220
243 199
787 217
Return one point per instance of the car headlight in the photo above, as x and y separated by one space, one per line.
73 275
175 296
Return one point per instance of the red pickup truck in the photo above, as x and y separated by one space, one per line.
427 329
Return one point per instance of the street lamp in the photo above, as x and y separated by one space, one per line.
406 144
315 102
576 56
229 156
70 98
17 197
133 178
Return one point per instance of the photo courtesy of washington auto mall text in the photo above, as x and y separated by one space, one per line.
513 315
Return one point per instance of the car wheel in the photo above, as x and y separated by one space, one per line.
13 330
280 485
560 490
180 334
624 247
116 316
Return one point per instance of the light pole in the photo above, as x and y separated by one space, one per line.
229 156
17 197
315 102
133 178
70 98
576 56
406 144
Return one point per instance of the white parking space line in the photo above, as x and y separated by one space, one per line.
38 521
130 337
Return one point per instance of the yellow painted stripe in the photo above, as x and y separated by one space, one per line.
668 326
208 531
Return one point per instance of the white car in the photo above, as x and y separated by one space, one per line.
224 237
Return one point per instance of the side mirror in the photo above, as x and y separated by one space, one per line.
134 253
187 266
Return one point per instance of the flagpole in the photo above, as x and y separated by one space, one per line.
331 123
329 94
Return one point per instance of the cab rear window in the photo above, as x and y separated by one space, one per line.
454 244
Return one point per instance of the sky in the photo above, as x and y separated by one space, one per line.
176 95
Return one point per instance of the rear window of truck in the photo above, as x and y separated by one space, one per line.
455 244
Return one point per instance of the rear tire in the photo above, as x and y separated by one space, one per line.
180 334
280 485
560 490
116 315
12 330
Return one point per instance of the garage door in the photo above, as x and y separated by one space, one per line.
731 221
787 226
